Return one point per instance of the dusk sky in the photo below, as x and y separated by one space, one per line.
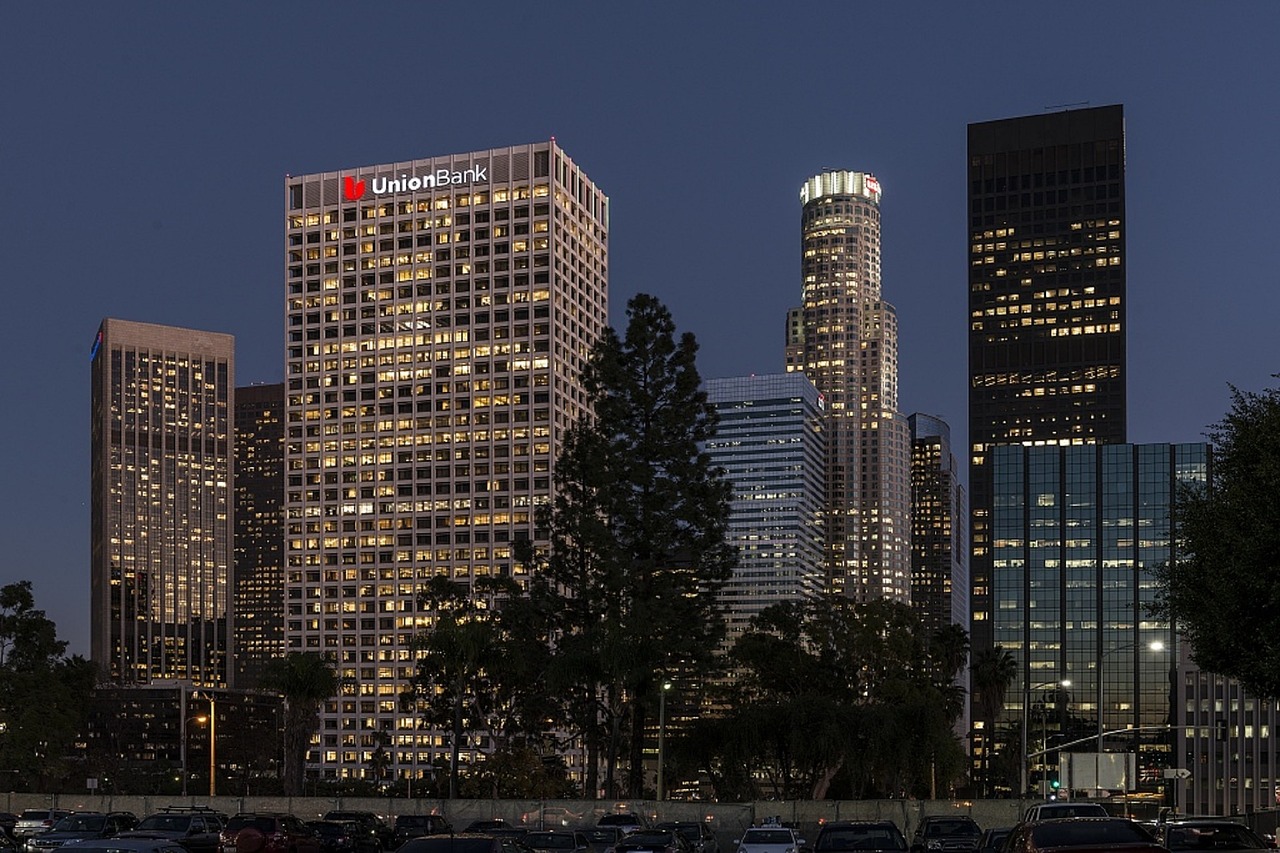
145 145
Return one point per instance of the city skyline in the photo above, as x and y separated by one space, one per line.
146 155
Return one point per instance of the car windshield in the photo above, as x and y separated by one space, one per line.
767 836
647 836
1222 836
608 834
34 814
860 838
81 823
265 825
952 827
1082 833
550 840
164 823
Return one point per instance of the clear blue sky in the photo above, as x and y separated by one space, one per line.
143 148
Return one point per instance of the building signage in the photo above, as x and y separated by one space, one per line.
354 190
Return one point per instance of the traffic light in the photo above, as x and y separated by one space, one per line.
1054 782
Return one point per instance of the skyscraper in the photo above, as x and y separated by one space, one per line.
771 444
1078 533
1046 298
939 515
439 313
160 598
259 531
845 339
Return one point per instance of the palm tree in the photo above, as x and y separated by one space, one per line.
306 680
993 672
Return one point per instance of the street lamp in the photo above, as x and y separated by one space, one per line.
662 732
1153 646
1027 687
213 744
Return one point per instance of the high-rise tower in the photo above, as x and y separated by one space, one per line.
259 531
160 597
845 339
1046 298
439 313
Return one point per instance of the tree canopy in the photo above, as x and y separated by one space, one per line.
1223 588
44 694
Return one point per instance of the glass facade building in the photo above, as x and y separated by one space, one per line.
438 315
161 504
259 531
771 444
1077 532
939 515
844 337
1046 298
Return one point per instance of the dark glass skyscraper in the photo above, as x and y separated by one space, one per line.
259 539
1046 298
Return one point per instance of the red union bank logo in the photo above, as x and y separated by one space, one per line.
353 189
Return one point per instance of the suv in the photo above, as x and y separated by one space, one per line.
1189 835
416 826
268 832
195 827
881 835
697 833
947 833
1064 808
375 834
33 821
626 821
79 826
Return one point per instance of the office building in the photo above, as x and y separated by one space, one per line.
1077 534
771 444
258 587
1046 299
844 337
939 516
160 597
439 314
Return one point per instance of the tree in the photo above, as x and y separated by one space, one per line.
44 695
637 533
1222 590
842 698
993 671
306 680
454 685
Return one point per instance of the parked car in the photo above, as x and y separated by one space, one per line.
31 821
8 820
337 836
882 835
376 834
124 845
485 825
268 832
195 828
769 839
556 841
464 843
79 826
992 839
626 821
601 838
550 817
1065 808
697 833
1082 835
409 826
1199 834
652 841
946 833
